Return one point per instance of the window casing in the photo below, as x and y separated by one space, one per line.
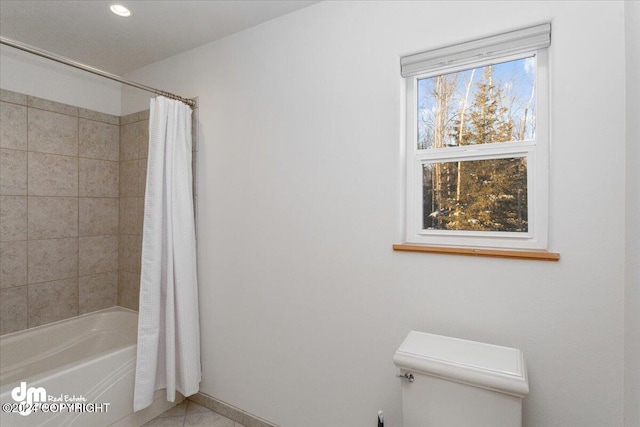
533 153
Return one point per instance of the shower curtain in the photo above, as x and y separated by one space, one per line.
168 326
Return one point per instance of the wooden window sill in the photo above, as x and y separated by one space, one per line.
539 255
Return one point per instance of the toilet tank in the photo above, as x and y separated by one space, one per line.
460 383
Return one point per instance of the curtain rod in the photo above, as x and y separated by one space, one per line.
61 59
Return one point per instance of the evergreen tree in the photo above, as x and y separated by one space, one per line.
483 195
487 120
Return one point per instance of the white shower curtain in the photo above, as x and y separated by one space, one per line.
168 326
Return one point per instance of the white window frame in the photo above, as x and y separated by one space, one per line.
535 151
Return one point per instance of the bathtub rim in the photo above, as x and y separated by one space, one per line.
8 369
114 309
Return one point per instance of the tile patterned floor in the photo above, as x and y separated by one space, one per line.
188 414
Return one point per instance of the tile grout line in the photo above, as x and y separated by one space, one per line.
27 210
26 104
63 155
78 220
138 241
119 207
118 229
14 103
69 237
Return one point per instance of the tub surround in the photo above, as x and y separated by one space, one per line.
134 146
59 189
72 185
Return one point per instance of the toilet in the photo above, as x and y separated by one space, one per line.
451 382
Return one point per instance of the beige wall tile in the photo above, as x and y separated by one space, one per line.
128 290
194 174
194 129
129 253
142 177
52 259
98 216
56 107
53 175
53 217
142 139
53 133
13 97
13 310
98 291
128 142
13 264
134 117
13 218
129 215
99 117
134 140
129 178
13 172
98 178
52 301
13 126
99 140
98 254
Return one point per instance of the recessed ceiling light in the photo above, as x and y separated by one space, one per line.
120 10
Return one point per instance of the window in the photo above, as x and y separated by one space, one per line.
478 142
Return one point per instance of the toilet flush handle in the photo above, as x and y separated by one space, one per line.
408 376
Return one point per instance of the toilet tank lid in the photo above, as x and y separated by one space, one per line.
482 365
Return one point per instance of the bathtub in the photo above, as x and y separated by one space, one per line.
81 370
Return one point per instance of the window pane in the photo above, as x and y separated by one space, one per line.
475 195
484 105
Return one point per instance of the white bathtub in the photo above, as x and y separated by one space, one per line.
78 361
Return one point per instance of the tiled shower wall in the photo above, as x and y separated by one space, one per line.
72 185
59 202
134 145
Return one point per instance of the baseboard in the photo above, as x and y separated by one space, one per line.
230 411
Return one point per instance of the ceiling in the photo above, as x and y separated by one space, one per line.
87 32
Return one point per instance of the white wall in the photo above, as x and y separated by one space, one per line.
303 301
632 296
134 100
25 73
